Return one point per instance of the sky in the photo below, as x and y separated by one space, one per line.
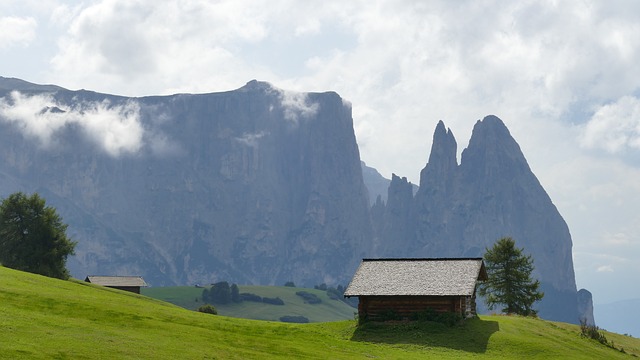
564 76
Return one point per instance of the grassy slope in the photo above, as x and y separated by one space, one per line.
47 318
328 310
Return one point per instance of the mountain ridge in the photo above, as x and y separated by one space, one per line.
462 209
238 185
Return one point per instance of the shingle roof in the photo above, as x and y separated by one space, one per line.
116 280
426 277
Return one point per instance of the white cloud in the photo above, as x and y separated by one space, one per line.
605 268
17 31
617 239
134 47
311 27
115 128
296 105
614 127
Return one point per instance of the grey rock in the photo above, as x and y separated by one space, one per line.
377 185
255 186
395 226
585 307
460 210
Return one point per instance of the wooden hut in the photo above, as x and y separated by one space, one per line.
405 287
126 283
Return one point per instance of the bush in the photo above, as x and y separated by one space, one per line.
220 293
294 319
388 315
447 318
593 332
272 301
309 298
235 294
250 297
208 309
289 284
322 287
334 294
352 301
427 315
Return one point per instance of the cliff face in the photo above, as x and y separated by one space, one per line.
460 210
585 307
255 185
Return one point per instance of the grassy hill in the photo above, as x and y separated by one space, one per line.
190 297
44 318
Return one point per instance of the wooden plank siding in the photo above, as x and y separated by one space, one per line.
133 289
376 307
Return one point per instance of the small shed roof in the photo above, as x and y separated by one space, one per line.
124 281
417 277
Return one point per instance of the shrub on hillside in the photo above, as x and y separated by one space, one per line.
334 294
351 301
272 301
309 298
447 318
593 332
250 297
208 309
289 284
322 287
388 315
294 319
235 294
220 293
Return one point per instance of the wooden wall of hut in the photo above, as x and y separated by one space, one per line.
378 307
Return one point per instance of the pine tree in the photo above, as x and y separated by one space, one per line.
510 283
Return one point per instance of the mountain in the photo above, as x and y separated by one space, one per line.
585 307
377 185
461 209
12 84
254 186
261 186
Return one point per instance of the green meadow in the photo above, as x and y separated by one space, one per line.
190 297
43 318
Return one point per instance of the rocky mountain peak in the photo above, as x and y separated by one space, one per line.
491 143
459 211
400 186
585 307
442 159
255 85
